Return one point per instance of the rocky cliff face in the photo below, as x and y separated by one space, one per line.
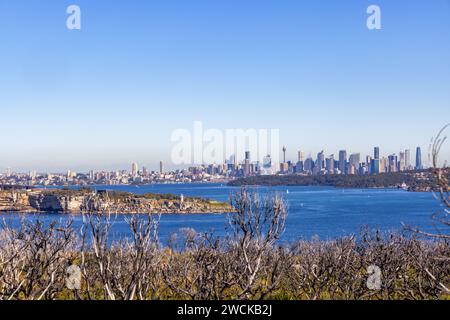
73 202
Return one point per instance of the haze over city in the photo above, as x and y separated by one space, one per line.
112 93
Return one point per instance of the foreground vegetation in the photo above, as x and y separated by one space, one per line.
40 261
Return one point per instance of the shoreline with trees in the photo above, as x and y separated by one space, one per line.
415 181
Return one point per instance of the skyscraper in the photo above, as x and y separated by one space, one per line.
320 160
300 156
300 163
284 154
161 167
375 166
354 161
401 161
407 159
342 160
393 165
247 163
376 153
419 165
329 164
308 165
134 169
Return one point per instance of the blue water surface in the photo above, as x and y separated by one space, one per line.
323 212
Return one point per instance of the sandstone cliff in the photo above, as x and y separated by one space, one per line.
73 202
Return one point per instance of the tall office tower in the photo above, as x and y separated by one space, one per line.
329 164
134 169
401 162
299 167
308 165
161 167
383 165
284 154
320 160
284 167
91 174
392 159
247 163
376 153
368 160
419 165
375 166
355 160
301 156
407 159
342 161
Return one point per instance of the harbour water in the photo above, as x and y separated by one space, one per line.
322 212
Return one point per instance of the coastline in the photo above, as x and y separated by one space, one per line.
410 182
69 201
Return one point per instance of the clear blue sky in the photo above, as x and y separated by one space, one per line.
113 92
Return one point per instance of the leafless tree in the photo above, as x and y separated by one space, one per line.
33 259
255 228
126 270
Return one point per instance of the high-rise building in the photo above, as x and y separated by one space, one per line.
354 161
368 162
284 167
401 161
329 164
301 156
299 165
419 165
134 169
376 153
392 160
342 160
161 167
407 159
308 165
375 166
284 154
247 170
320 160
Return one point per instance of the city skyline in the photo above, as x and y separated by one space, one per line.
410 159
117 89
350 165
